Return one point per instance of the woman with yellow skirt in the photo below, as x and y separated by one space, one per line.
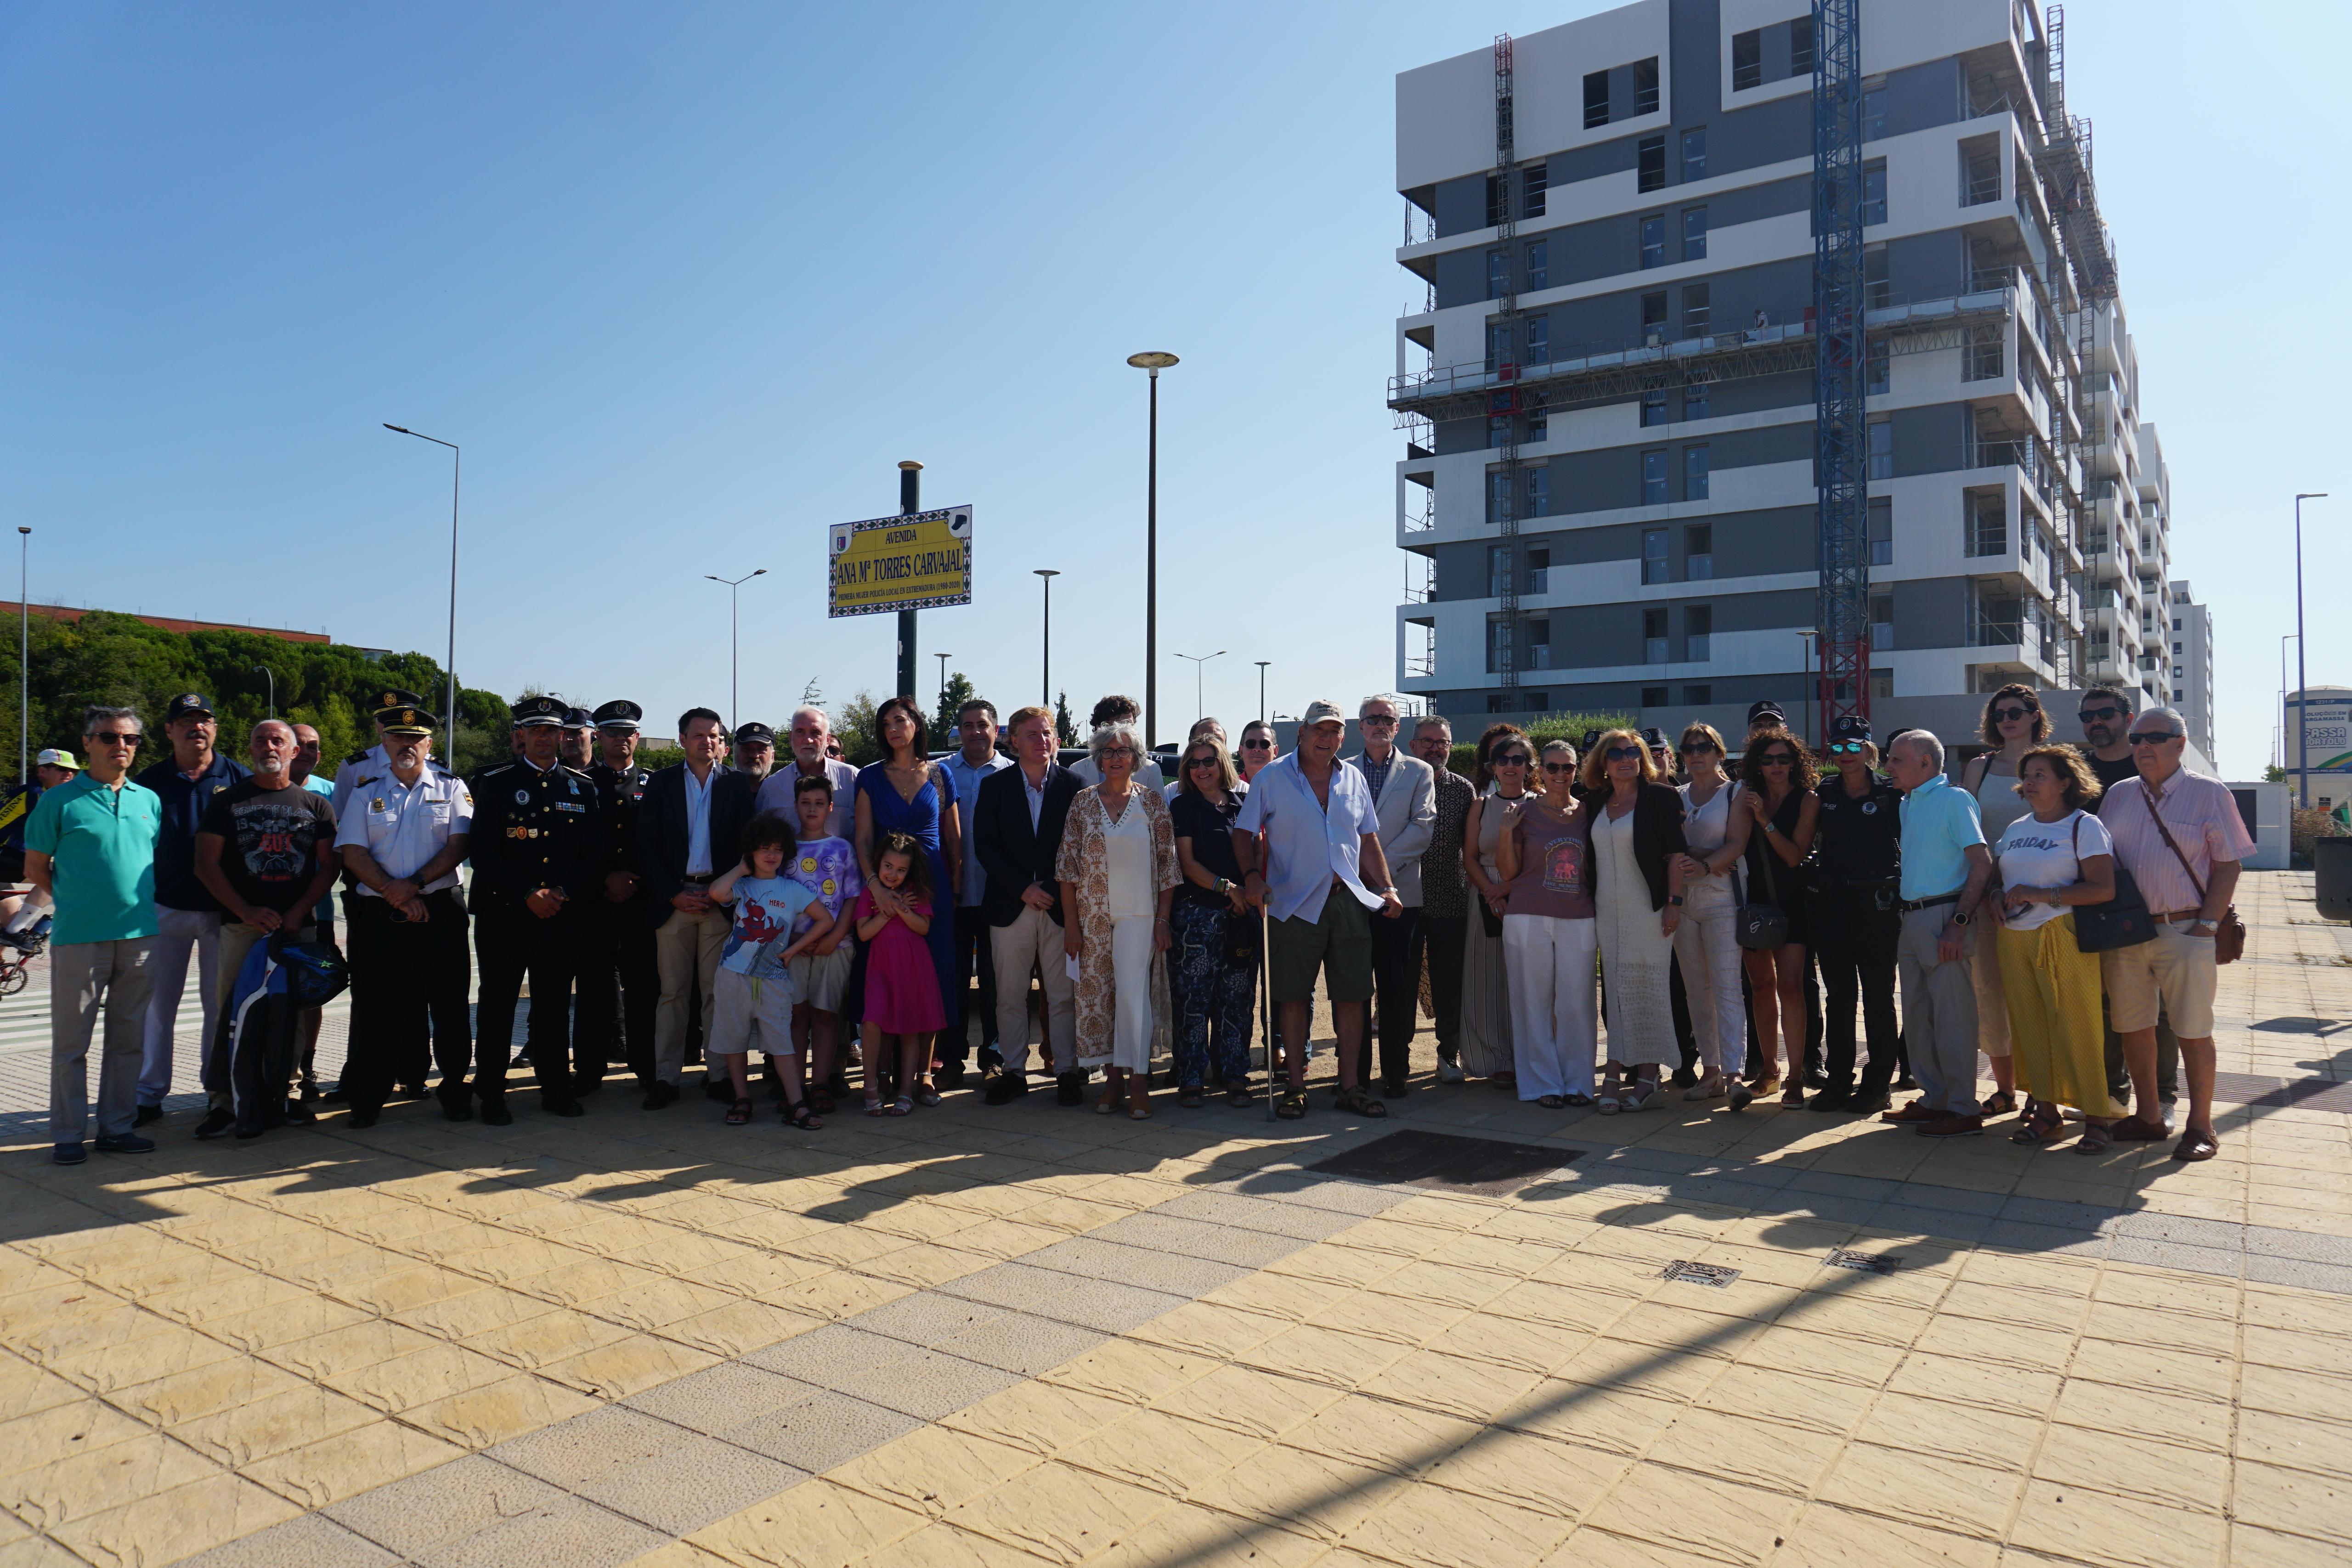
2057 854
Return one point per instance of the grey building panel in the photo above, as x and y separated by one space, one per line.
1921 97
1692 28
1461 278
1931 612
1461 204
1756 394
1929 440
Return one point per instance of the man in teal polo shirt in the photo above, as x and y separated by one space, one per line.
1945 869
90 849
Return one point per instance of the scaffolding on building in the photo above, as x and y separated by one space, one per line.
1504 412
1840 357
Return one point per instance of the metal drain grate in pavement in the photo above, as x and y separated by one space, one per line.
1863 1262
1714 1274
1485 1165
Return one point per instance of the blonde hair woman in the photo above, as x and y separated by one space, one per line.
1544 854
2014 723
1707 939
1118 872
1634 825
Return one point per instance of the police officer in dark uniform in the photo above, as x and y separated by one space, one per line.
538 849
1857 869
577 747
619 984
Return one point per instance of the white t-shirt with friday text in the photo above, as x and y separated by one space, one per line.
2034 854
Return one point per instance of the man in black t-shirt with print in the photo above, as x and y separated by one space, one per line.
265 850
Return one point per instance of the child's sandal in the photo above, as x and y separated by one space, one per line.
873 1108
740 1114
926 1093
799 1114
904 1106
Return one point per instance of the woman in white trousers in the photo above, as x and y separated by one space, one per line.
1548 939
1705 940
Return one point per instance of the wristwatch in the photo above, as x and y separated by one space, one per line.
1960 919
1675 900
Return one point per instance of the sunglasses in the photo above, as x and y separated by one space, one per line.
2153 737
1516 759
2099 715
1622 753
1256 744
1778 760
112 740
1559 767
1847 748
1700 749
1201 762
1119 751
1385 720
2007 715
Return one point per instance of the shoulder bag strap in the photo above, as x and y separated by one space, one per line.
2174 848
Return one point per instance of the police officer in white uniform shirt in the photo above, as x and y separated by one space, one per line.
401 838
372 759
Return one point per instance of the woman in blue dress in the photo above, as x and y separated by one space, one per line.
906 792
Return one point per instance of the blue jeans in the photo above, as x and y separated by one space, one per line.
1211 996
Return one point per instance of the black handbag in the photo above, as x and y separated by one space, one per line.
2122 921
1761 927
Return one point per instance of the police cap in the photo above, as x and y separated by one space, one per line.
393 696
754 735
404 720
620 715
1764 711
533 712
1849 726
577 718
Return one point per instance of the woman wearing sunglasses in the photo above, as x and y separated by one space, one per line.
1857 926
1501 779
1549 938
1635 829
1212 969
1779 820
2014 724
1707 941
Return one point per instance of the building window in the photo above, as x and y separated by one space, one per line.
1653 240
1650 162
1747 60
1983 360
1655 566
1539 636
1497 702
1980 172
1653 406
1882 621
1497 200
1540 492
1801 47
1539 570
1539 180
1596 100
1877 369
1498 431
1499 274
1699 696
1699 633
1881 449
1498 639
1656 645
1877 290
1498 570
1498 346
1538 266
1694 471
1881 684
1696 397
1873 192
1694 234
1654 477
1653 696
1654 317
1882 530
1695 309
1538 423
1874 113
1988 523
1499 495
1694 154
1538 340
1698 551
1646 86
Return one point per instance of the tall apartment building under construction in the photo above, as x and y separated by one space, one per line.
1612 401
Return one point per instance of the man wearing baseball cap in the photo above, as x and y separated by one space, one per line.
1320 826
187 916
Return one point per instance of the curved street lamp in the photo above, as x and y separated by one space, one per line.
1152 361
734 624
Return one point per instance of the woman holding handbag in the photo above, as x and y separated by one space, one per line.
1777 779
2056 856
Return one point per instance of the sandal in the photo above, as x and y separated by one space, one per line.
1552 1101
739 1114
874 1106
1356 1099
1740 1095
2041 1126
2195 1145
1239 1097
799 1114
1193 1099
1576 1101
1643 1094
1506 1081
2137 1130
2094 1140
1793 1095
904 1106
1106 1107
2001 1104
1608 1100
1292 1106
1710 1087
1138 1112
821 1102
925 1092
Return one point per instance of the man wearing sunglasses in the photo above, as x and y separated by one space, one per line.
1404 794
1445 893
2107 717
1256 749
2181 838
90 851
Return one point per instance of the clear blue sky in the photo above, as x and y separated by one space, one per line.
687 282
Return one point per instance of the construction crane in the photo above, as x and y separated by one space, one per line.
1840 359
1503 408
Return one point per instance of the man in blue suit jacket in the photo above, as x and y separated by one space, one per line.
1017 821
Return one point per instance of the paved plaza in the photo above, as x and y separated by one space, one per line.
1028 1334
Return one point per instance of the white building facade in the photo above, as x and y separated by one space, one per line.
1656 452
2192 664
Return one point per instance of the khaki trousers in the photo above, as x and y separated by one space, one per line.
686 951
1034 941
89 980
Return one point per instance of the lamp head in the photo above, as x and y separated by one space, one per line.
910 466
402 429
1153 359
1045 571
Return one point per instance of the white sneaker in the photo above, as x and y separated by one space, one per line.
1450 1071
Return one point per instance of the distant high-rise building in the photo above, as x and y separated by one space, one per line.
1609 398
2191 665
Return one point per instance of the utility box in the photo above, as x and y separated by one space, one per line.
2333 858
2263 808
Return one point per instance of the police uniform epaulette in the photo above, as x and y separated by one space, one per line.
495 768
358 756
363 783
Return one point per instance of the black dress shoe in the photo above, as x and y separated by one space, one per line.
299 1114
1070 1089
216 1124
124 1143
71 1153
1831 1100
587 1083
561 1105
1866 1104
360 1118
1006 1088
948 1076
410 1091
495 1113
660 1093
1392 1088
715 1086
457 1108
146 1113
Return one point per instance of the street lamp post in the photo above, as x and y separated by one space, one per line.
1262 663
943 659
734 624
1200 663
2302 680
910 501
266 670
456 467
1045 657
1153 362
2289 637
23 655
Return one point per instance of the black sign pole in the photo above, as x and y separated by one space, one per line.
910 501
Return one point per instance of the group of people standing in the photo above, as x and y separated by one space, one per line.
1684 905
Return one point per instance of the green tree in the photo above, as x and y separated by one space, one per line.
855 727
953 697
1066 728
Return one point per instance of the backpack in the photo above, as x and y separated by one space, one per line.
255 1057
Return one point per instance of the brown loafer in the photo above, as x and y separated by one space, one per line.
1917 1111
2132 1130
2195 1145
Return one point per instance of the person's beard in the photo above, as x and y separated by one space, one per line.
269 767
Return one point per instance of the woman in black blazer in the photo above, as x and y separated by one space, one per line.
1634 829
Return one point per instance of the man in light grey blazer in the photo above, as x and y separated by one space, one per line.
1404 793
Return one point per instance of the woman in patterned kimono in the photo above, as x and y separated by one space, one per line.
1119 875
